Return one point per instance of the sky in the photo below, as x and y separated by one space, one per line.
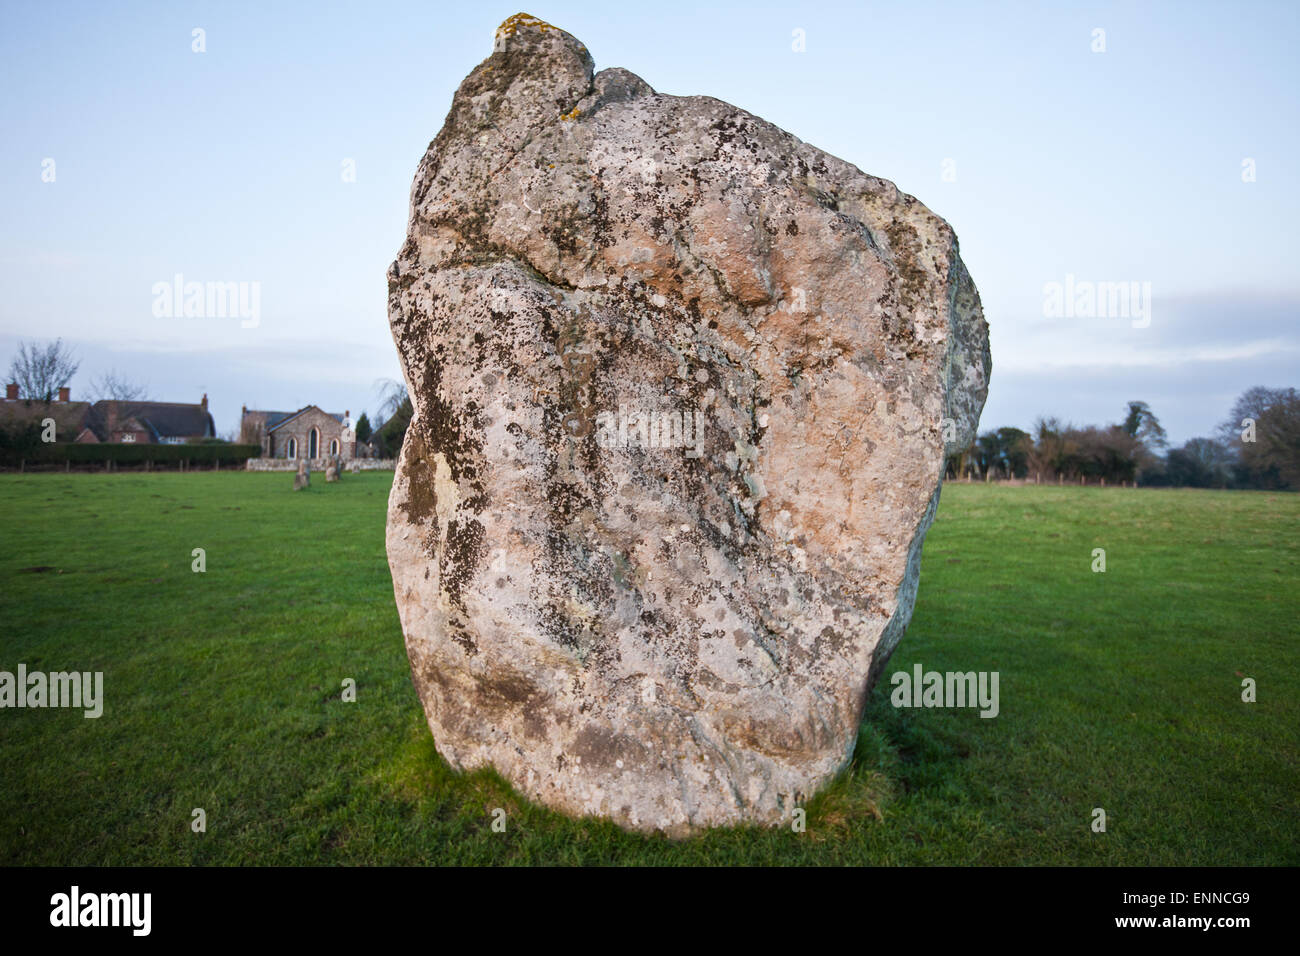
1162 151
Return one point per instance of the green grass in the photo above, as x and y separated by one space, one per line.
1118 690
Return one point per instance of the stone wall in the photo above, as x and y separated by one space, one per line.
318 464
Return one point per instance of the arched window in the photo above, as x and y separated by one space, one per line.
334 446
313 443
291 448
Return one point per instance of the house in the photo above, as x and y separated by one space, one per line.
142 422
309 433
150 423
18 413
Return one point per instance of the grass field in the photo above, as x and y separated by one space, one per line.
1119 690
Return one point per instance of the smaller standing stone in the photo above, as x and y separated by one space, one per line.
303 478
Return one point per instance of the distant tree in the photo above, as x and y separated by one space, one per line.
1276 447
1004 452
1263 433
962 462
1213 458
393 432
1014 445
41 370
396 410
116 387
1109 453
1141 423
363 428
1091 452
1252 404
1054 451
392 396
1199 463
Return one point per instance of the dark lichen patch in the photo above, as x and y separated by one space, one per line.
458 631
599 748
421 501
905 248
556 625
500 691
461 556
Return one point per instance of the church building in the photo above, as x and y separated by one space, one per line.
307 433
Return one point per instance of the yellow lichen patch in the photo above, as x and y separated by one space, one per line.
511 26
571 115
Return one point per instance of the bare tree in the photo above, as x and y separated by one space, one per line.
396 412
111 385
392 396
41 370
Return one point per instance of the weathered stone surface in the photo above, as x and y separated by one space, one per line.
302 479
680 632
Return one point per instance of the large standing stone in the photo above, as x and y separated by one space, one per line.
680 385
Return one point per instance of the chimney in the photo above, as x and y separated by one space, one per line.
11 391
64 393
204 403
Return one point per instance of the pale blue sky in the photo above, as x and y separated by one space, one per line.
225 165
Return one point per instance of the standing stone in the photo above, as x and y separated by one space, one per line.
303 478
680 387
331 470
